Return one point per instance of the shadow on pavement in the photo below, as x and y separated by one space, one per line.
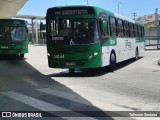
94 72
18 75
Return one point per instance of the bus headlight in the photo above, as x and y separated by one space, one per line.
48 54
93 55
90 57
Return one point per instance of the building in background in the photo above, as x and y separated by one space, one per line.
152 29
146 19
41 32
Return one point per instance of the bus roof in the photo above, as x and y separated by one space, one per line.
118 16
93 10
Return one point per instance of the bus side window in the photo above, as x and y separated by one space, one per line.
136 31
142 31
139 31
126 29
132 29
113 28
120 28
129 29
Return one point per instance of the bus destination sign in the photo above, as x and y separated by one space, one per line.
72 12
6 22
66 11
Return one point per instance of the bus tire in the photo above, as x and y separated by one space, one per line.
112 62
136 54
21 56
71 71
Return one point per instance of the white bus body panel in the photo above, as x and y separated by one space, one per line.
125 49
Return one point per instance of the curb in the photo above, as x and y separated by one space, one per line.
159 62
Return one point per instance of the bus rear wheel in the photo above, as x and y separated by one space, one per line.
71 71
112 62
136 54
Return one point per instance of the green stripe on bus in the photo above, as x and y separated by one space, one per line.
140 40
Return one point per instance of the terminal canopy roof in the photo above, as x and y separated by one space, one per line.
9 8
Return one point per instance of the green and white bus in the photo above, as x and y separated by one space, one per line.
13 37
91 37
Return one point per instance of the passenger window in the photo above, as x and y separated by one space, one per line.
113 26
126 29
120 28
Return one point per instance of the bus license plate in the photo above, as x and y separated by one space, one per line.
70 63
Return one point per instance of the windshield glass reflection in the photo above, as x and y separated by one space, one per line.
13 33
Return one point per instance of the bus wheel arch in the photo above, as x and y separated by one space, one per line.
112 65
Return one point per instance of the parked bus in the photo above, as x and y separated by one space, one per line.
91 37
13 37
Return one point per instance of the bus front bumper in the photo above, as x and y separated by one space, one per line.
78 64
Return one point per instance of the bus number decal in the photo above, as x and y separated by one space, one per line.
57 38
112 42
59 56
4 47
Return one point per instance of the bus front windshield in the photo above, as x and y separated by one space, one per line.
75 31
13 33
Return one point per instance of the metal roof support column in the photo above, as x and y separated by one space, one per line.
36 32
32 31
158 34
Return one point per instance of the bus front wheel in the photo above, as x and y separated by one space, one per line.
112 62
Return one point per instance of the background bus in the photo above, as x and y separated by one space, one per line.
91 37
13 37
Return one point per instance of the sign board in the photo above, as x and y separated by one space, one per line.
66 11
